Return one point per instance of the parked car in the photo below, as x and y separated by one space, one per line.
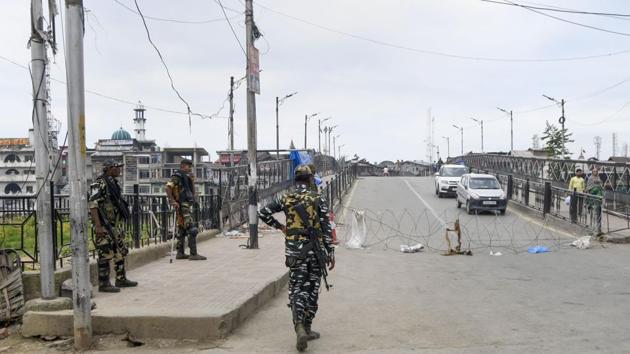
446 179
480 192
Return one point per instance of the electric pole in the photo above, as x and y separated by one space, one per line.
561 120
319 133
278 103
81 296
39 60
253 87
480 121
306 118
231 122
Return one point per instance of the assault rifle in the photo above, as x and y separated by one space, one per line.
313 237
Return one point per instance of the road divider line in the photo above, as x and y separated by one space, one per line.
435 215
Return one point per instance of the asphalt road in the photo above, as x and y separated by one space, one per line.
384 301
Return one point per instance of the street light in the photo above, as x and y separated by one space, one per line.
461 131
511 127
279 102
448 146
480 121
335 145
319 133
330 129
306 118
561 120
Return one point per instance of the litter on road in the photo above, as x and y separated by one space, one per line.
538 249
411 249
582 243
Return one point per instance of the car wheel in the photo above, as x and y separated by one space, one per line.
502 211
436 191
440 195
459 205
468 210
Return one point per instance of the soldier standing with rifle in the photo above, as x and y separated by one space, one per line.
307 228
109 211
181 194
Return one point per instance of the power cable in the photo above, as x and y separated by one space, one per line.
191 22
556 9
568 21
442 54
231 27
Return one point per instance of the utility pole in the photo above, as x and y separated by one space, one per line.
330 129
448 146
252 89
306 118
511 127
480 121
319 133
39 61
81 296
461 131
561 120
231 122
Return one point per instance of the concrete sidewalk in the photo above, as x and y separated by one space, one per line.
184 300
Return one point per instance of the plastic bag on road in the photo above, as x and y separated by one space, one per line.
358 231
582 243
411 249
538 249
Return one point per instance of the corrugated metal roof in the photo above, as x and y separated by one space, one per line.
14 141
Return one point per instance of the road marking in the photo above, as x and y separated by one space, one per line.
348 201
543 225
425 204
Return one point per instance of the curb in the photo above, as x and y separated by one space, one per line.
136 258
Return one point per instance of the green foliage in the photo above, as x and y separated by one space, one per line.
556 140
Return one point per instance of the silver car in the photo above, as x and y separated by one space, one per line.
479 192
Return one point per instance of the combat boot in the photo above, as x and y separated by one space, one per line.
180 251
121 276
192 243
310 333
301 337
104 286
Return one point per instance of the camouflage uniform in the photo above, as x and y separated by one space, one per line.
108 247
182 187
304 272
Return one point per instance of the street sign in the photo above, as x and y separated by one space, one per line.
254 70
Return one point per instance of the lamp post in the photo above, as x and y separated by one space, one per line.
319 133
511 127
480 121
335 145
461 131
561 120
279 101
306 118
330 129
448 146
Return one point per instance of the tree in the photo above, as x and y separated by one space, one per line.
556 140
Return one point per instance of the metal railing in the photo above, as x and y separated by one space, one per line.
339 184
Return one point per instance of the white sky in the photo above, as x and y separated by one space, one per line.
378 95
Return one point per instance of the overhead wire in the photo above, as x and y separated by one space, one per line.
231 27
438 53
557 9
163 19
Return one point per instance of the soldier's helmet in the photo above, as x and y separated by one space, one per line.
111 163
303 171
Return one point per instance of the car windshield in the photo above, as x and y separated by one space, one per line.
453 171
484 183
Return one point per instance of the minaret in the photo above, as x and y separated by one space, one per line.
139 121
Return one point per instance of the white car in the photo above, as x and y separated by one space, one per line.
446 179
480 192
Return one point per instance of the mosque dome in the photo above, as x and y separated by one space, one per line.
121 134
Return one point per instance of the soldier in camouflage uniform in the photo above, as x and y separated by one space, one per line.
109 211
304 272
181 194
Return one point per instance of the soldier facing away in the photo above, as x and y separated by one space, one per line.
304 269
109 211
181 194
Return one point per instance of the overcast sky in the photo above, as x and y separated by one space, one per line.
377 94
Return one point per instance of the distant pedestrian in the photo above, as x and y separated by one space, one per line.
595 188
385 171
578 184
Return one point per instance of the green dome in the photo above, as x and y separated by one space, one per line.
121 134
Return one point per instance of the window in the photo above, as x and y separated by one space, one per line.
484 183
155 159
28 158
144 189
12 188
29 189
12 158
143 160
12 171
453 171
199 173
144 174
157 190
166 173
